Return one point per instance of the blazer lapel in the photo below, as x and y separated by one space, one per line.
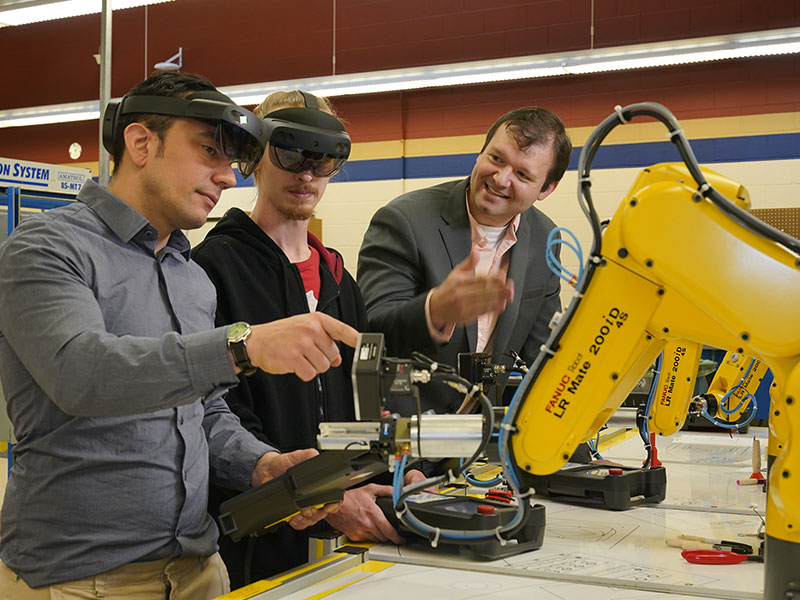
457 239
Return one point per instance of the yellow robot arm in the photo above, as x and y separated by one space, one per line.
728 402
674 386
675 381
729 282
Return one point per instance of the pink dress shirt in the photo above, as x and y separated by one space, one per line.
491 259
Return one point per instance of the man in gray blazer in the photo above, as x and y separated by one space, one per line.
460 266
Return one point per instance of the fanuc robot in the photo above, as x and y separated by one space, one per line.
680 265
728 281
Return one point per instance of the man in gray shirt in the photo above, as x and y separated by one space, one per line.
114 374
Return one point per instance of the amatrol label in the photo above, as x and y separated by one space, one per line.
579 367
39 176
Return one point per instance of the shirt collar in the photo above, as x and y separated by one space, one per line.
126 223
477 232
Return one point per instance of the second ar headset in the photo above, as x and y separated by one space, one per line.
306 138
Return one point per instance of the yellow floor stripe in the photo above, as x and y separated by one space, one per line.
267 584
369 568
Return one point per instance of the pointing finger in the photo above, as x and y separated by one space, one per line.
338 330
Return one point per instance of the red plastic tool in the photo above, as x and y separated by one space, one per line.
718 557
499 495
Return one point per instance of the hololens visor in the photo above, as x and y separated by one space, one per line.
307 139
240 135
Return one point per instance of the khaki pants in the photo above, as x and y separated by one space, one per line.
176 579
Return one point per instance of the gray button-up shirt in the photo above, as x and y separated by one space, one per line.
114 379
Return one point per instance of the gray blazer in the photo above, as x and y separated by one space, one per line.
412 244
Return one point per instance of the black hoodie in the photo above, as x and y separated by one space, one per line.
256 283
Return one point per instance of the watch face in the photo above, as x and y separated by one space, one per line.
237 331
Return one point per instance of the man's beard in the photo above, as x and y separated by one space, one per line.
296 213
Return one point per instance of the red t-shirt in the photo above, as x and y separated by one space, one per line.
309 271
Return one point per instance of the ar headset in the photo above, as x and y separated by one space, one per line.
240 135
307 138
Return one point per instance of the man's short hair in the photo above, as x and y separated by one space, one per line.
292 99
535 126
160 83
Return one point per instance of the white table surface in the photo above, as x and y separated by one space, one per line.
621 548
405 582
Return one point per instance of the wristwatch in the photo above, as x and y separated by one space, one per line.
237 336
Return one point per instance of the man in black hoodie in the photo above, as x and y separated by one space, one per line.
268 266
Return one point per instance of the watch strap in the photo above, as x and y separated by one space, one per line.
238 349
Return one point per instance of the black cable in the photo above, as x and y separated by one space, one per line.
248 558
641 418
415 393
357 443
678 138
429 362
